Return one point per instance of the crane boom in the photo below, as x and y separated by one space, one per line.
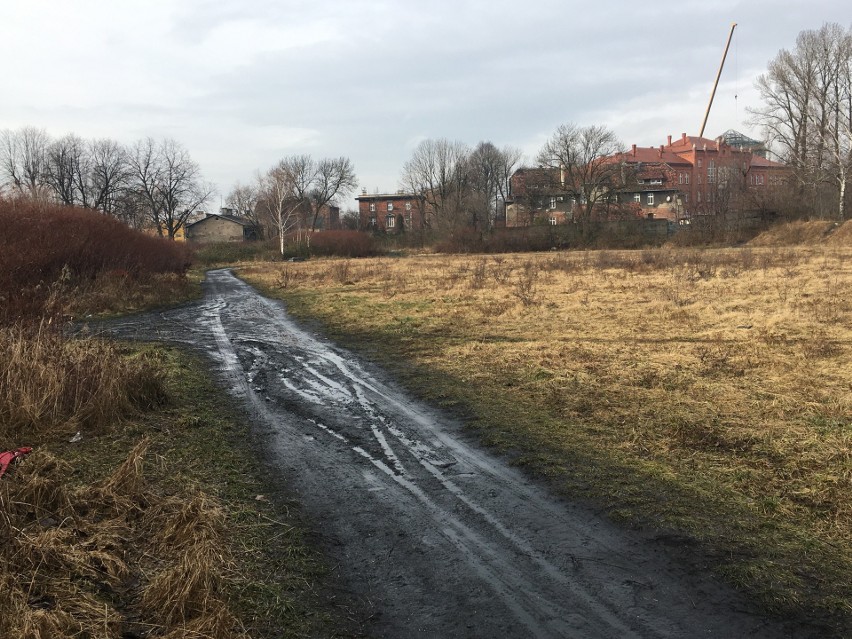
716 83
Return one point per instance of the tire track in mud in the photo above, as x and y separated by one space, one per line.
445 539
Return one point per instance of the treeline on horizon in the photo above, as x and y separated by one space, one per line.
806 117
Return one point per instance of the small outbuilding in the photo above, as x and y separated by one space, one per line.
221 227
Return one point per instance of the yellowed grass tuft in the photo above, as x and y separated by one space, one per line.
68 558
50 383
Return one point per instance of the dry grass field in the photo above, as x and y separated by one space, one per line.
704 396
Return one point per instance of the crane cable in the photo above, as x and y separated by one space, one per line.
736 78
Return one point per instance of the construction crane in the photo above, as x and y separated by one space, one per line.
716 83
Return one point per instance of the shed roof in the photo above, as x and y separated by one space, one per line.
228 218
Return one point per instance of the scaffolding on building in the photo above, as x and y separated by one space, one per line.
744 143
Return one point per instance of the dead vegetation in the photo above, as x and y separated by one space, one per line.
705 391
92 545
52 385
166 540
110 559
58 259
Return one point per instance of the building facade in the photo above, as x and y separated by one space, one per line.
676 181
391 212
220 228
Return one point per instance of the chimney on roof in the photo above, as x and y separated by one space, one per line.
661 150
670 141
562 174
683 136
634 150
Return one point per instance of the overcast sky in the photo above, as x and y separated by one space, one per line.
242 84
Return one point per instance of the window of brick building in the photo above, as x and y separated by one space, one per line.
408 206
390 206
650 199
372 206
637 198
552 220
391 220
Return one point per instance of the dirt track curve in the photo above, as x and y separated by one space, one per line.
444 539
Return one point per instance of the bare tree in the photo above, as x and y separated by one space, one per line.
109 177
62 168
332 178
438 173
169 182
299 189
244 200
282 195
838 129
490 171
584 158
803 95
23 159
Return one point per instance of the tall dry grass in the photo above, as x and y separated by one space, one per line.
50 385
110 559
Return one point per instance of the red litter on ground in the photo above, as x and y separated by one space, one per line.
11 455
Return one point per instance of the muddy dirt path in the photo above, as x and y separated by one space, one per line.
441 537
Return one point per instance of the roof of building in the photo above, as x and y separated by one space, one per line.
762 162
737 139
653 155
228 218
688 142
399 195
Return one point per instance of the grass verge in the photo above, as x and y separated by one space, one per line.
702 395
158 522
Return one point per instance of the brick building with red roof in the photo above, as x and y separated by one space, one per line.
679 180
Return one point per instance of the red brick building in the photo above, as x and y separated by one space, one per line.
687 177
391 212
708 176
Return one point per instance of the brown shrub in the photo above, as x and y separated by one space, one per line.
342 244
47 250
